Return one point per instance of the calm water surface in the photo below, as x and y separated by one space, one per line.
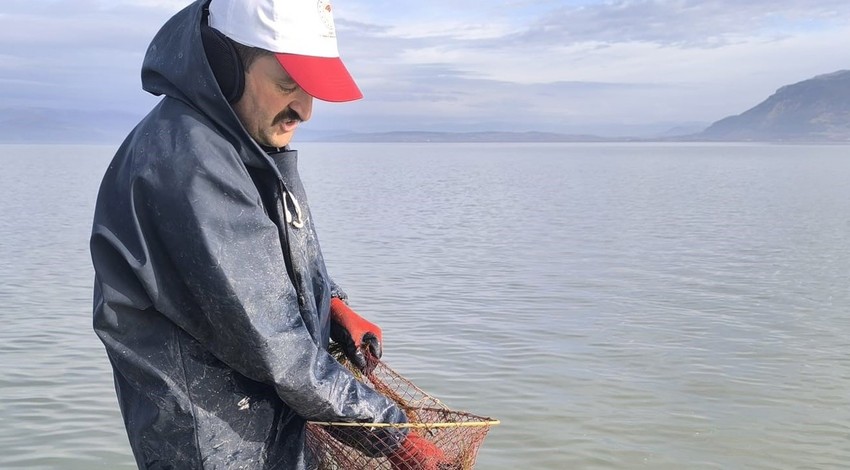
616 306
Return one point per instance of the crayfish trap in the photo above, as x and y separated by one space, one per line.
364 446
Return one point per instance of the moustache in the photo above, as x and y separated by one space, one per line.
286 115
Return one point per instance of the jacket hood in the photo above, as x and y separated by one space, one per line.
176 66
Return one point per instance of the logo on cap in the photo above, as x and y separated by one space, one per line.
326 14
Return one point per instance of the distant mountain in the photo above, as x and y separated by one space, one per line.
814 110
420 136
45 125
685 128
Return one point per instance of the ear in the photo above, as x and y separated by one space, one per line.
225 63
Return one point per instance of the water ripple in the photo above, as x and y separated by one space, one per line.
616 306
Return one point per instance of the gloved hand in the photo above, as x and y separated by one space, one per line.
354 334
417 453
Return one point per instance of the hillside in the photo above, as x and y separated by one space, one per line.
455 137
50 126
814 110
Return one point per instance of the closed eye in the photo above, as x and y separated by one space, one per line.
287 88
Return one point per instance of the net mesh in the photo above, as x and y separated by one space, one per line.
365 446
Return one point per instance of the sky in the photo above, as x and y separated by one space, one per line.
600 67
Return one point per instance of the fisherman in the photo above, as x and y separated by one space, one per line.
211 295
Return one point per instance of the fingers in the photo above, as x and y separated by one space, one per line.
356 356
374 344
366 356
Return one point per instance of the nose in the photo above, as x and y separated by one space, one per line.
303 104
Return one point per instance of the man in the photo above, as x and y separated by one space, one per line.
211 294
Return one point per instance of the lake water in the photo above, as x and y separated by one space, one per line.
617 306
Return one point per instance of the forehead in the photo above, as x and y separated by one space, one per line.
270 68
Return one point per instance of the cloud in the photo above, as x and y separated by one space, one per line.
568 38
693 23
77 54
479 64
695 61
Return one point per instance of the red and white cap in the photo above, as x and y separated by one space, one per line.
300 33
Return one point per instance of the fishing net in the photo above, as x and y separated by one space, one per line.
364 446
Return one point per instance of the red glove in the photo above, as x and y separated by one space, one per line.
354 333
416 453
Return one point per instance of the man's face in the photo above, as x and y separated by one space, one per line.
272 104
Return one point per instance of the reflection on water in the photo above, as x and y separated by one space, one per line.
616 306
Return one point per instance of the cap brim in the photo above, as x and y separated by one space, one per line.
324 78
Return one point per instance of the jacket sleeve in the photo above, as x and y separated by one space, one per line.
221 277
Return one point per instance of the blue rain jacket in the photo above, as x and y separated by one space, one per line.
211 294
